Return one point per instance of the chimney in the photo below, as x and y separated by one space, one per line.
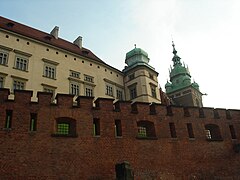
54 32
78 42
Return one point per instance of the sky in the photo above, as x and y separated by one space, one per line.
206 34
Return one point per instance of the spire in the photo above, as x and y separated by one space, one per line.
174 50
176 58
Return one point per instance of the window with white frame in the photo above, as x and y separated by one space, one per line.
88 78
75 74
89 91
49 68
50 71
3 57
74 88
21 63
119 94
18 84
109 90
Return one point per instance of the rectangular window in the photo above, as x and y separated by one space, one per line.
118 128
75 74
8 122
88 78
50 90
33 122
109 90
50 71
21 63
3 58
232 131
172 130
153 91
63 128
74 89
96 127
89 92
18 84
190 130
133 92
1 82
142 131
119 94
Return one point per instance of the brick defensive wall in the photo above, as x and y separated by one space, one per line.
66 140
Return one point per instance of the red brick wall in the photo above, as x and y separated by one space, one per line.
25 154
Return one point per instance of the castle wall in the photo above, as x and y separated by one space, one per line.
43 153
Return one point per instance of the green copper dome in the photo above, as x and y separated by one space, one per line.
179 70
136 51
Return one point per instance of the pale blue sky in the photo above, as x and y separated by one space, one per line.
206 35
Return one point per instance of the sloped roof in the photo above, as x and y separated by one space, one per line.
30 32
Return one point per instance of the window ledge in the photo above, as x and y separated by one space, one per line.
118 137
4 65
49 78
65 135
20 69
146 138
96 136
7 129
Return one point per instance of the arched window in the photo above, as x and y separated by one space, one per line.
212 132
146 129
66 127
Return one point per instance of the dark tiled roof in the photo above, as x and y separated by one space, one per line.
24 30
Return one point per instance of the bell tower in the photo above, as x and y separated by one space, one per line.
181 90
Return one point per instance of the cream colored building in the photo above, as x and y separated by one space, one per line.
34 60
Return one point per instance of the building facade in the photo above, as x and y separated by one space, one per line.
39 61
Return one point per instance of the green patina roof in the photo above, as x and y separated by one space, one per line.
179 76
136 51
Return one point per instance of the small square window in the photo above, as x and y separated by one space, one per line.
88 78
18 84
63 128
75 74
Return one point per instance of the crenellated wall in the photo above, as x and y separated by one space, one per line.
175 145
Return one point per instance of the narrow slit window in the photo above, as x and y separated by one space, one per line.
118 128
8 122
172 130
96 127
232 131
190 130
33 122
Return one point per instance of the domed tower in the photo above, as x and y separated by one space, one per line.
180 89
140 78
